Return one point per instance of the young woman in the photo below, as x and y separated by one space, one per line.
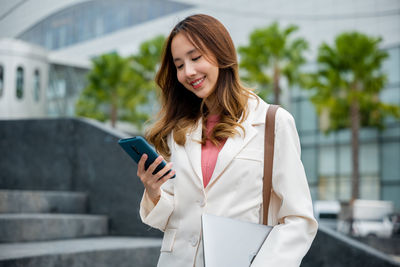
212 129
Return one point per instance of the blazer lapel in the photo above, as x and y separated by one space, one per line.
193 149
231 148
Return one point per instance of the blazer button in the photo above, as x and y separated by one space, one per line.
201 203
193 241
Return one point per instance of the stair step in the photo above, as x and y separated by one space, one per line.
99 252
13 201
41 226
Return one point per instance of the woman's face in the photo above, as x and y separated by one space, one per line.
194 71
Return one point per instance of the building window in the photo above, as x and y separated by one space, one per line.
36 85
1 80
20 83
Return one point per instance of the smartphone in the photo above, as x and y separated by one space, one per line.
136 147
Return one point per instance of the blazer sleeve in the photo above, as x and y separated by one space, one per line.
157 216
290 240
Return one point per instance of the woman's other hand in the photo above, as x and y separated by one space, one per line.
152 182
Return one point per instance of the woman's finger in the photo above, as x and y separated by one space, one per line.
164 170
166 177
154 165
141 165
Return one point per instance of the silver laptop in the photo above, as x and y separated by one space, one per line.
231 242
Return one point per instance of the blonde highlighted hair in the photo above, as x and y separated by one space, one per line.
180 108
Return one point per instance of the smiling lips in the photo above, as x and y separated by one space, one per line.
197 83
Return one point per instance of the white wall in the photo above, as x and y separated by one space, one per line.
12 55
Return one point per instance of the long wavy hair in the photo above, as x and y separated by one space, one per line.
182 109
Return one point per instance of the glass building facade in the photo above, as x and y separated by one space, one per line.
65 85
91 19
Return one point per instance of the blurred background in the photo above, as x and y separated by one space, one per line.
334 64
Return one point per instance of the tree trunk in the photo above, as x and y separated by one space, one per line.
113 109
277 89
355 127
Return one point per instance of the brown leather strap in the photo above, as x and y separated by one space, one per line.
269 140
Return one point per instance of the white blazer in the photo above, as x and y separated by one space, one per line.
235 190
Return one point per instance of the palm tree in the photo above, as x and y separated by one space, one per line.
107 81
120 87
346 90
271 54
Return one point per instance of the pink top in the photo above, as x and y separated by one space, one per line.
209 152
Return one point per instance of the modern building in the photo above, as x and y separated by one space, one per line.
74 31
25 69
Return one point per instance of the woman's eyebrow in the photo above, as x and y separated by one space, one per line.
188 53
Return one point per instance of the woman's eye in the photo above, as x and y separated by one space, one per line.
196 58
179 66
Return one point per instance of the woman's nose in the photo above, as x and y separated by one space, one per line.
190 70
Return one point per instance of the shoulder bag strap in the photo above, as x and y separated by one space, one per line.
269 140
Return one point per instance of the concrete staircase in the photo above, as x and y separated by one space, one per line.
50 228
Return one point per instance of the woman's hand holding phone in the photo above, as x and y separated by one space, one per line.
152 182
